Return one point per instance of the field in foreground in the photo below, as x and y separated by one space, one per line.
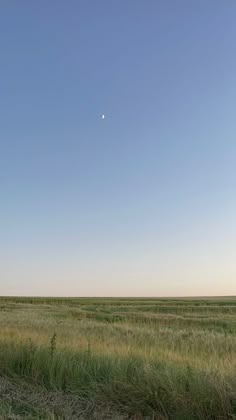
117 358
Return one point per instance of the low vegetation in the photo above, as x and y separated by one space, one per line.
117 358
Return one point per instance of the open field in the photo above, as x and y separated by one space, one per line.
117 358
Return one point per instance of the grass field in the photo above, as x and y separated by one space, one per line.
117 358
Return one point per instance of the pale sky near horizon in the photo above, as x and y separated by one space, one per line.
142 202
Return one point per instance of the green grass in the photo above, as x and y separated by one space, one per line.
118 358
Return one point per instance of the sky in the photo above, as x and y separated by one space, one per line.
142 202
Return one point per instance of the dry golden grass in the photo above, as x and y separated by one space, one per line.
166 339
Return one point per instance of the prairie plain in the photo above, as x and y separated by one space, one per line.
118 358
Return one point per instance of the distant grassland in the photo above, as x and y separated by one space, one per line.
118 358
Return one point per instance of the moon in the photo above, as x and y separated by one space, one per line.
103 116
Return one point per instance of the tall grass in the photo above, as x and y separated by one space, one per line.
132 385
139 360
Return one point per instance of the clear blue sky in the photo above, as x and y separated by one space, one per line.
141 203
